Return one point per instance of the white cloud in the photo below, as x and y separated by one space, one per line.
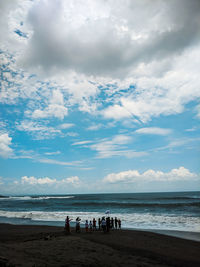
72 134
56 111
193 129
33 181
157 52
95 127
117 146
198 111
163 95
144 106
5 142
82 143
52 153
74 180
3 125
16 83
58 162
64 34
21 154
55 108
71 180
133 176
1 180
66 125
5 8
38 130
116 112
181 142
154 130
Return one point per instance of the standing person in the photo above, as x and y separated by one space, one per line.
116 222
119 223
67 224
112 223
86 226
90 225
78 225
108 224
94 224
103 224
99 223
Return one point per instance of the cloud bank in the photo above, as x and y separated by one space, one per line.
74 180
143 56
133 176
121 43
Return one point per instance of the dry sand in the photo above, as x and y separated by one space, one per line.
27 245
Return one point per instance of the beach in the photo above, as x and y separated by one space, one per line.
35 245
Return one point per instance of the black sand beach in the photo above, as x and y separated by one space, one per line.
27 245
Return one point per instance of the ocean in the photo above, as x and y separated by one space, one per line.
161 211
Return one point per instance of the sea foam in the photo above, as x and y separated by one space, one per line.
132 220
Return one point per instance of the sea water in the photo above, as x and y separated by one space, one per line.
164 211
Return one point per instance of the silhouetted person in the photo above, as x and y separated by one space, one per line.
67 224
90 226
78 229
99 223
119 223
94 224
86 226
103 224
112 223
108 224
116 222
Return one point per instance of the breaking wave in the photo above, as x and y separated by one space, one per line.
35 197
129 220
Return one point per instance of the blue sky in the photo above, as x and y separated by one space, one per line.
99 96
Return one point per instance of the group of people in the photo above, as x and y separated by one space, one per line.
104 224
109 223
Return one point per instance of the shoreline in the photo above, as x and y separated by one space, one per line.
189 235
26 245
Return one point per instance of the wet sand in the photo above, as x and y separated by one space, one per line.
29 245
181 234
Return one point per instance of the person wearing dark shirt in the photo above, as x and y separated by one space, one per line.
67 224
119 223
108 224
116 222
78 229
112 223
94 224
103 224
99 223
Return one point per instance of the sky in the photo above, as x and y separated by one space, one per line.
99 96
